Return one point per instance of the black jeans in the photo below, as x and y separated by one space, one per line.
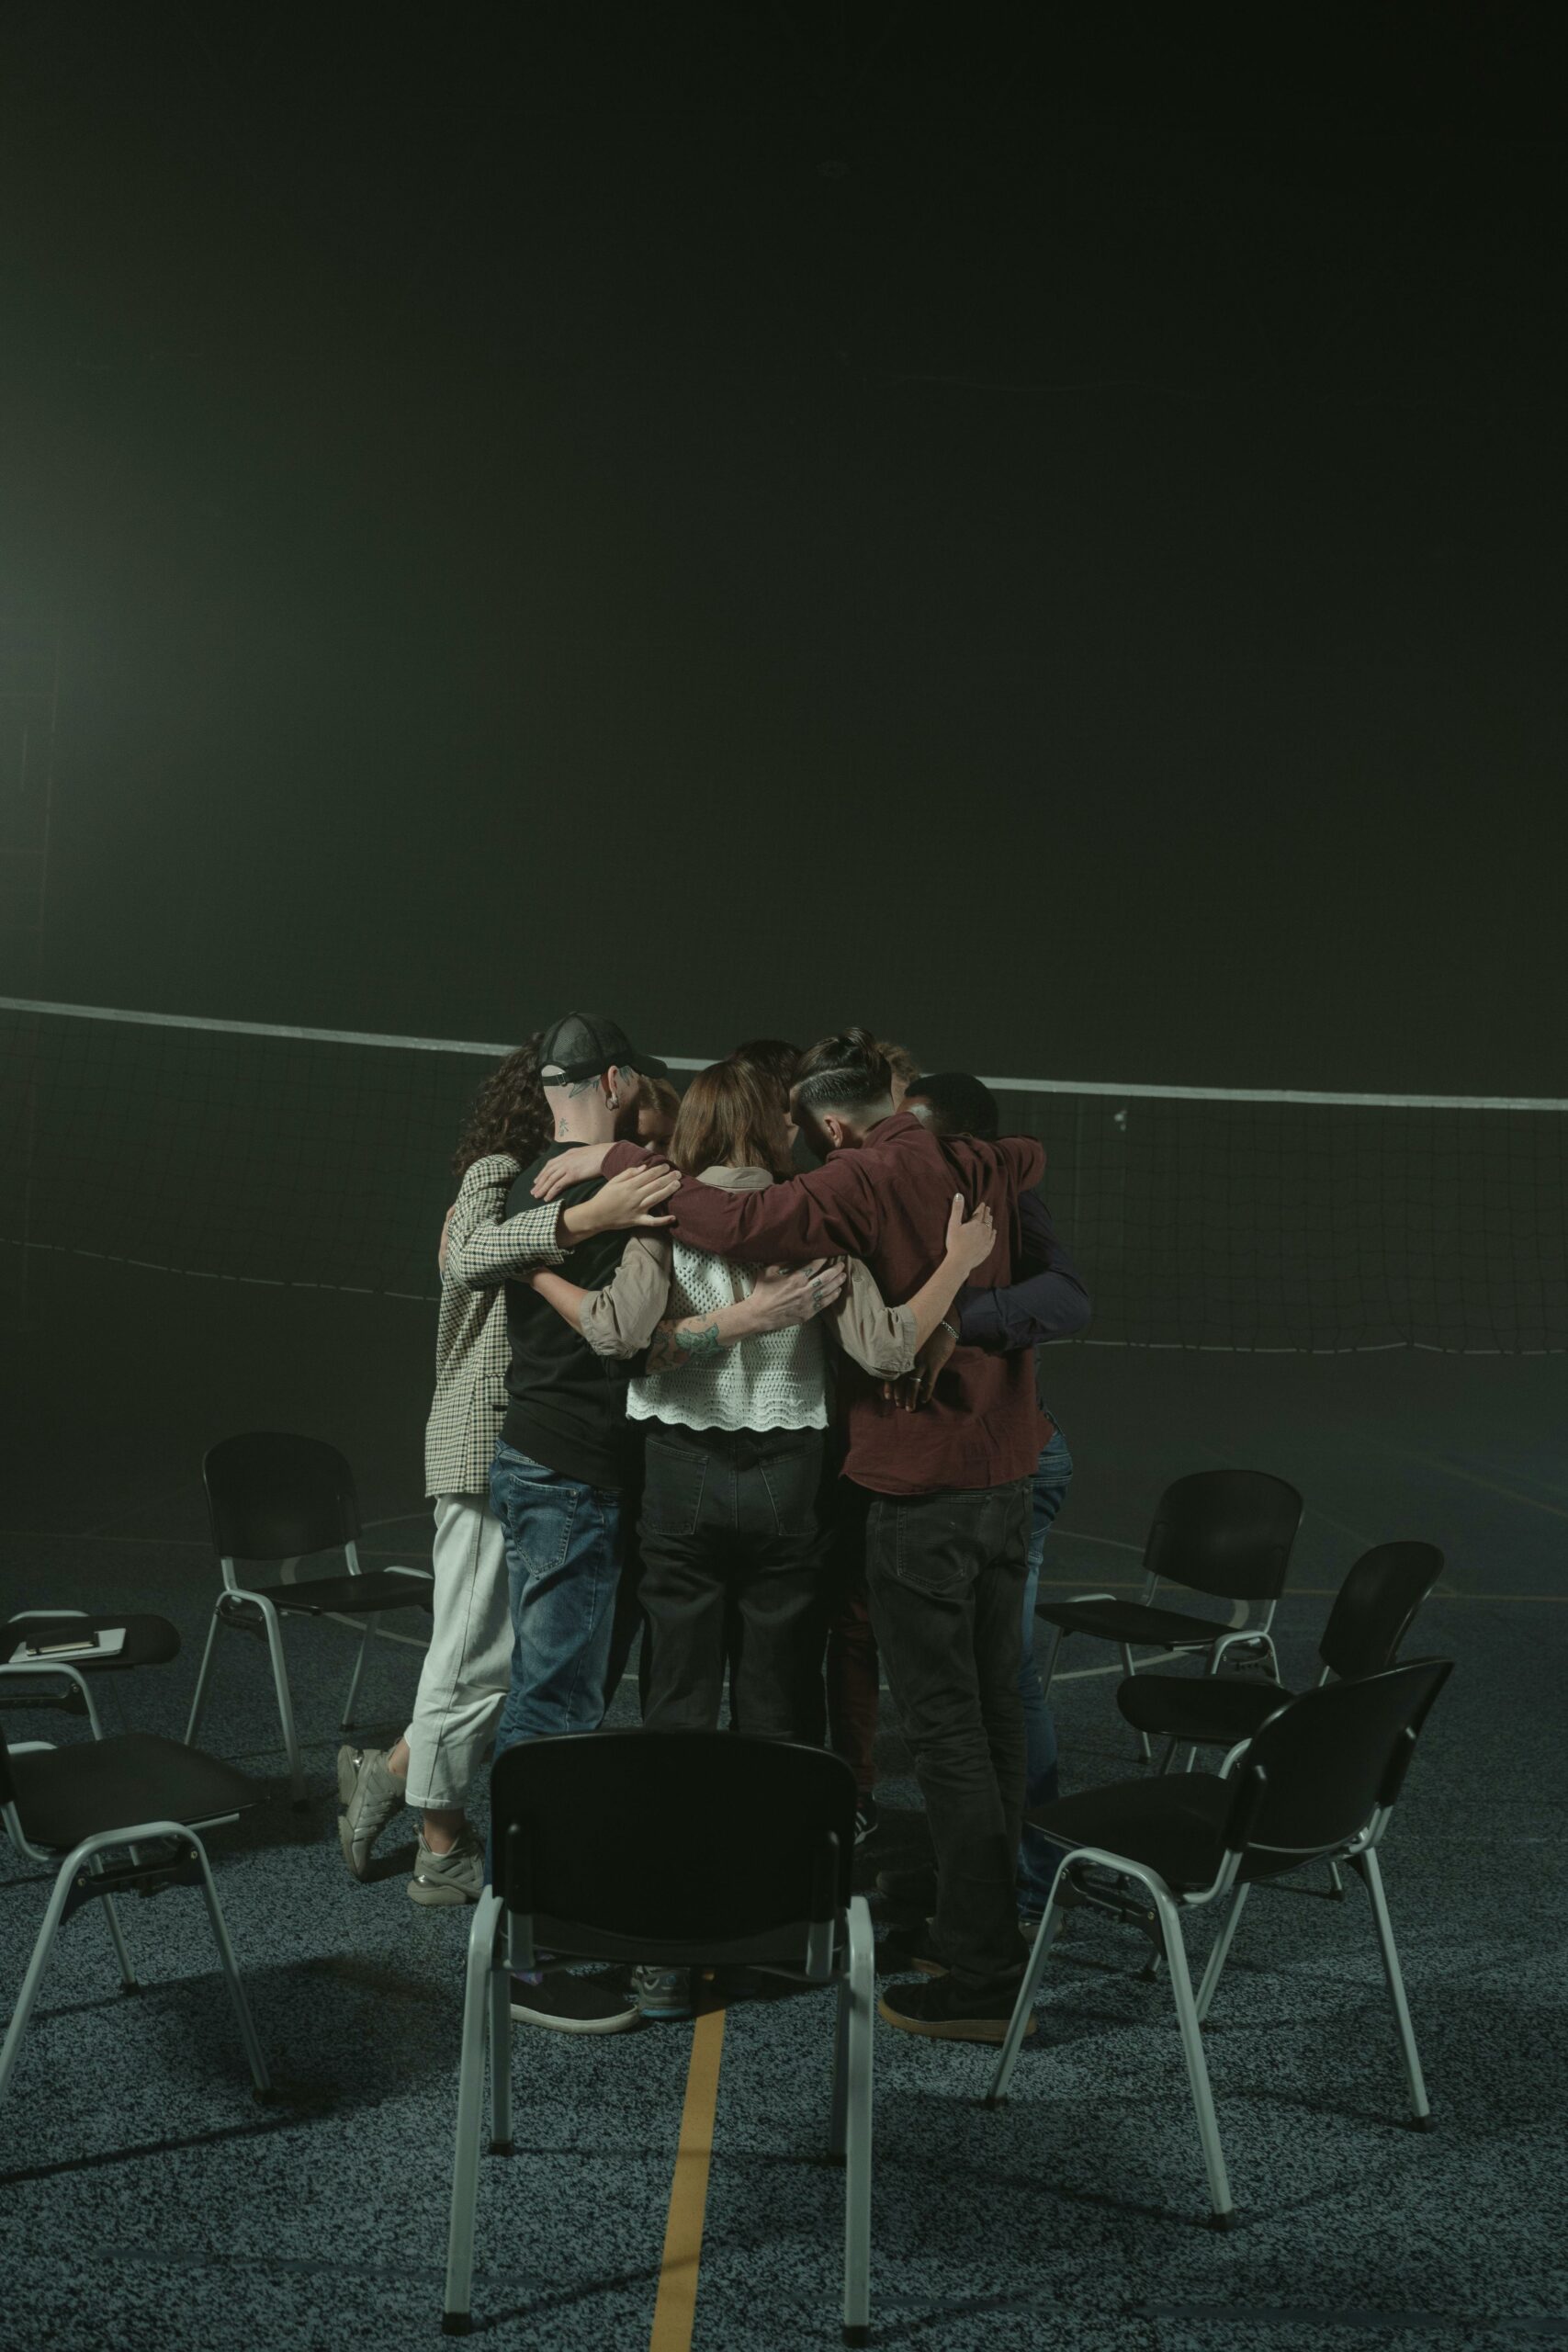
730 1530
945 1575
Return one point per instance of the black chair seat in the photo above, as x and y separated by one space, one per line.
359 1596
148 1641
64 1794
1203 1708
1128 1621
1176 1826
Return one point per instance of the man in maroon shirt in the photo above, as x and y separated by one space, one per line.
947 1529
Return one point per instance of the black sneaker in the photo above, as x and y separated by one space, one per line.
569 2003
865 1819
936 2008
919 1949
910 1888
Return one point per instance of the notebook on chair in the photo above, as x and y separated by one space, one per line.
108 1643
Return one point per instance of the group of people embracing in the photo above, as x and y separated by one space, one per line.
785 1424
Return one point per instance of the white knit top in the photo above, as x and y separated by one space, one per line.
777 1380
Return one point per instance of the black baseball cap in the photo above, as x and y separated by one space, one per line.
585 1044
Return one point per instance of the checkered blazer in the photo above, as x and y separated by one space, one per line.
471 1349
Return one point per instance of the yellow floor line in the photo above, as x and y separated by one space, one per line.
675 2311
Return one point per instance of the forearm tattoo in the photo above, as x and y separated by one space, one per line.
673 1347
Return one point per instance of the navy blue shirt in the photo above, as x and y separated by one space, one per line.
1049 1301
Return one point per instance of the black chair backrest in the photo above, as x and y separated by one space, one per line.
672 1847
1323 1764
272 1497
7 1785
1376 1606
1228 1533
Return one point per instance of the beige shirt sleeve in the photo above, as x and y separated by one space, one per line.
620 1319
880 1338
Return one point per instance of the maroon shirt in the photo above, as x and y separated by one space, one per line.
889 1202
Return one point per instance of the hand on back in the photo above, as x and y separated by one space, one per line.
970 1240
915 1389
787 1295
628 1202
573 1167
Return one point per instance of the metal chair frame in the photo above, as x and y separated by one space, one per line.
1191 2009
56 1666
1247 1634
231 1608
81 1877
496 1947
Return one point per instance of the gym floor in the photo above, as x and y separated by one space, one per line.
150 2203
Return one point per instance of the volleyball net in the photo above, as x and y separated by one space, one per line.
1246 1220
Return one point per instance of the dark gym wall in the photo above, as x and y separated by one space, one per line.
1048 540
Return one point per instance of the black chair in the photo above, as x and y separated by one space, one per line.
1318 1782
148 1641
137 1793
273 1496
1225 1533
677 1849
1374 1609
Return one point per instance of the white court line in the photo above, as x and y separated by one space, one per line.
1469 1477
689 1061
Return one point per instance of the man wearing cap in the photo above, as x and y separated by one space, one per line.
567 1468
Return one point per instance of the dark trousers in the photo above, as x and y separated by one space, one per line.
731 1532
945 1576
626 1629
850 1666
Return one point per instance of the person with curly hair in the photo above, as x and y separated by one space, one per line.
466 1670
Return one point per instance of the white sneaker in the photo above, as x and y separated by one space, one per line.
371 1798
456 1876
568 2002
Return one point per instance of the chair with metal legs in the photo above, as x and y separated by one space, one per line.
1221 1534
63 1634
605 1846
1318 1782
130 1798
1373 1611
274 1496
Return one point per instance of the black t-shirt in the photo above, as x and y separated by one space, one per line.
568 1406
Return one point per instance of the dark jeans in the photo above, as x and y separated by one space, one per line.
563 1560
945 1576
731 1531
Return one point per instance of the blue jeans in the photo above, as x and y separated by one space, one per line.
563 1560
1037 1855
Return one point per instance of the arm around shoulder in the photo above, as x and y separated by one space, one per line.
621 1318
1024 1159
